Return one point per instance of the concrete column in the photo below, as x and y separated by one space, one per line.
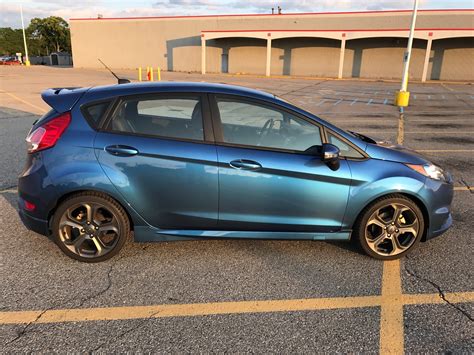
427 60
269 56
203 55
341 58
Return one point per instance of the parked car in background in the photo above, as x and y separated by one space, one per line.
180 161
9 60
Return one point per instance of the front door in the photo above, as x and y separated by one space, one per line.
155 151
266 180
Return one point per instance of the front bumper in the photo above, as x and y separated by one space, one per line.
439 196
444 228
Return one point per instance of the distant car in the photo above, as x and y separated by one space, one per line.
179 161
9 61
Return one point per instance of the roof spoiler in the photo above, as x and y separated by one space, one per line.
63 99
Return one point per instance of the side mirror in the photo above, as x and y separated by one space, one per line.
330 155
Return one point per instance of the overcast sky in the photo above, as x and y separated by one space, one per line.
10 16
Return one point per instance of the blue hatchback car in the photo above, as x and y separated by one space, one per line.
179 161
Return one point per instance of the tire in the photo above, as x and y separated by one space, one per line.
96 241
390 227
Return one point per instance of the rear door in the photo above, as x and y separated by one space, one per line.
267 182
159 153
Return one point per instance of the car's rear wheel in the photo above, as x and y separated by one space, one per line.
90 227
390 227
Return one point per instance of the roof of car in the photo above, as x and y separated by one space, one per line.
176 86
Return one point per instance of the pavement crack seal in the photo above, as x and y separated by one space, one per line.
27 327
125 332
439 289
471 190
131 329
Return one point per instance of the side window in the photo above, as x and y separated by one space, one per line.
346 150
160 116
94 112
252 124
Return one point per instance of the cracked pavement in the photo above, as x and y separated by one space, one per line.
37 276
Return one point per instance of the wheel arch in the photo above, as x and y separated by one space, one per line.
421 205
68 194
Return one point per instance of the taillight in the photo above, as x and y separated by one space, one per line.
30 206
48 134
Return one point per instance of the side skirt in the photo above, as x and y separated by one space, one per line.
150 234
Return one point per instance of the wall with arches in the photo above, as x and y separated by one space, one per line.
301 44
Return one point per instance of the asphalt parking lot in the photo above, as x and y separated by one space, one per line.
244 295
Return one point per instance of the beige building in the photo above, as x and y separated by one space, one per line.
340 44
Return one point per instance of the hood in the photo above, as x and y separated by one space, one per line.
386 150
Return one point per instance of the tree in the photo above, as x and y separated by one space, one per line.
43 36
52 33
11 41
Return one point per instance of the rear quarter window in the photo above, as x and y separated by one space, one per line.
95 111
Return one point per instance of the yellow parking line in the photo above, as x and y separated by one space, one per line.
434 298
42 110
391 313
391 302
389 119
463 188
445 150
446 87
187 310
422 132
8 191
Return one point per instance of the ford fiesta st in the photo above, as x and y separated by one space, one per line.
180 161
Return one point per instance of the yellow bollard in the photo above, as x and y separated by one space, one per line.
139 73
402 98
27 63
158 72
151 73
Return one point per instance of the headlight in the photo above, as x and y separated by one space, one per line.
430 170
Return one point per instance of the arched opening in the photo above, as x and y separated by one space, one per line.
452 59
382 57
309 56
238 55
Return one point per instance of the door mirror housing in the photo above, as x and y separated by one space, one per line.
330 154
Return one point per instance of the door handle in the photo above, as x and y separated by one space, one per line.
244 164
121 150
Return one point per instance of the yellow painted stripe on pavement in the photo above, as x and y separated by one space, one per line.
391 313
186 310
421 132
390 285
42 110
435 298
445 150
463 188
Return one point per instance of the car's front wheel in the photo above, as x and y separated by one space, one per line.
90 227
390 227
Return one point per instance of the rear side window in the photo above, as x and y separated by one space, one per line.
167 117
94 112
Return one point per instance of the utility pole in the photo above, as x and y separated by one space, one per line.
402 96
27 59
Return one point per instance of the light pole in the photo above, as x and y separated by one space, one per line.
27 59
402 96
